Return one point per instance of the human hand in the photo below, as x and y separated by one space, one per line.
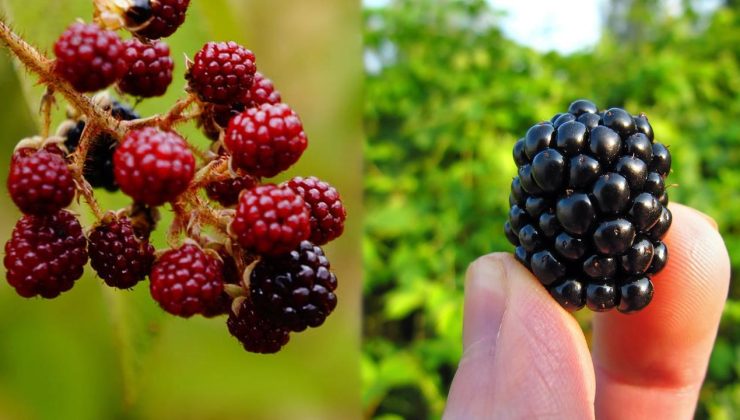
526 357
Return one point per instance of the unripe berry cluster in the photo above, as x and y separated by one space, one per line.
238 246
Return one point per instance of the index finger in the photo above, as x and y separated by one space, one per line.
652 363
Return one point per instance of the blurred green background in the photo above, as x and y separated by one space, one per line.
448 94
95 353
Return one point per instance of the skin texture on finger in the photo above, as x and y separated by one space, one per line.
651 364
524 356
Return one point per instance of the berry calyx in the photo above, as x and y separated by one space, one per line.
257 334
265 141
296 290
327 211
40 182
117 254
45 255
221 72
187 280
153 166
89 57
162 18
149 70
270 220
588 208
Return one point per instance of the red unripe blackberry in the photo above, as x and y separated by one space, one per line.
221 72
167 16
149 70
296 290
119 257
40 183
327 210
187 280
153 166
89 57
270 220
45 255
257 334
262 92
265 141
226 192
588 207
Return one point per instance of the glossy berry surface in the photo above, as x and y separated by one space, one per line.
262 92
257 333
265 141
149 68
271 220
588 207
166 17
327 211
153 166
295 290
45 255
226 192
40 183
89 57
222 72
119 257
187 280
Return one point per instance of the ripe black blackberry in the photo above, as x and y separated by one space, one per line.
98 169
588 207
257 333
295 290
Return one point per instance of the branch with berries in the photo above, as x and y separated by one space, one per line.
238 246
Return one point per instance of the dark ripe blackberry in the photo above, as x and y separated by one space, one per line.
547 268
601 297
660 257
613 237
570 294
654 184
549 225
588 207
639 146
119 257
634 170
548 170
536 206
589 120
538 138
612 193
555 117
643 126
571 248
295 290
510 234
635 294
564 118
520 157
576 213
582 106
572 137
605 144
257 333
584 170
620 121
638 257
599 267
530 238
661 162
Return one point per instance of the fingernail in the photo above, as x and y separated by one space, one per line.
707 218
485 299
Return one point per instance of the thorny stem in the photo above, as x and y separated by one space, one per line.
189 206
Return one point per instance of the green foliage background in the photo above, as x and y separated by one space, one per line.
97 353
443 110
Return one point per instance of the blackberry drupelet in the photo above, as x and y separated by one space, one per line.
295 290
257 333
588 207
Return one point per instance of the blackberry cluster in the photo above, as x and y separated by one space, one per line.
246 249
589 207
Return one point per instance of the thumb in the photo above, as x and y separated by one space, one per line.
524 356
